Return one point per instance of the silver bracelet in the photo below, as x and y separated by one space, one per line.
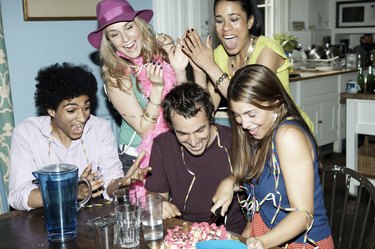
220 80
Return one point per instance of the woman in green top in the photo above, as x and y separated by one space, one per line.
239 27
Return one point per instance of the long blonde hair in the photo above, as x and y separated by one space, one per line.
259 86
115 67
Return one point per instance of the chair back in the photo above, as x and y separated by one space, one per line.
351 216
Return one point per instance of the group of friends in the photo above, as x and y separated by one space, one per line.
262 171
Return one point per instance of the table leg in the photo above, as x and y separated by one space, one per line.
351 139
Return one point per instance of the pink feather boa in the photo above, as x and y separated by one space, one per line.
160 126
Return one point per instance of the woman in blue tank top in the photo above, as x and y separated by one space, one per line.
275 160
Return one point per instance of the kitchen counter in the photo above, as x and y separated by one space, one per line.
345 96
304 75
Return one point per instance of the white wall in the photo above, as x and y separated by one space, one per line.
34 44
307 11
174 17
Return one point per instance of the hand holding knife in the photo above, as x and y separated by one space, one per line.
216 217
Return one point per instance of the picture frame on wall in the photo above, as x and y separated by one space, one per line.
298 25
40 10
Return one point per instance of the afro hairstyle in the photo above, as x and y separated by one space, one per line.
57 83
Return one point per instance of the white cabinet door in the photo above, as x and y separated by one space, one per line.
319 99
323 114
329 122
314 113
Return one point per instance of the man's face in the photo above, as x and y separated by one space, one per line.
195 133
69 119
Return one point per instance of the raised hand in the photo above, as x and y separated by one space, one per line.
201 54
135 173
154 72
178 59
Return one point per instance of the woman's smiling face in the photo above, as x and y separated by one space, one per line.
232 26
253 119
125 37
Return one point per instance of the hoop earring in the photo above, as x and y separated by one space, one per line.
274 116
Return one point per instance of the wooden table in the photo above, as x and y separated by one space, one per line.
360 119
26 229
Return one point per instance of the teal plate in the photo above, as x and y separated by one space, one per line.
221 244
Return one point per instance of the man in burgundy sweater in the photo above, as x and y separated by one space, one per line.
189 161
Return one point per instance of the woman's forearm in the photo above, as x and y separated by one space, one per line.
181 76
291 226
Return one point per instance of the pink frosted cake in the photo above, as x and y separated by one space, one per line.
185 237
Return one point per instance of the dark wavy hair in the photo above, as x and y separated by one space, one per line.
57 83
187 100
251 9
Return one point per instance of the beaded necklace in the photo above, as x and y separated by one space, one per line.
249 52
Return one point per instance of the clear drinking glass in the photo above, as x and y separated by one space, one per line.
123 196
128 222
151 216
103 229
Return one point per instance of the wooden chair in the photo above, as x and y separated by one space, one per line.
352 218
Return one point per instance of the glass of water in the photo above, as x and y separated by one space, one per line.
151 216
128 221
123 196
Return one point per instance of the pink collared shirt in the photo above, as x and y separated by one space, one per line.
32 148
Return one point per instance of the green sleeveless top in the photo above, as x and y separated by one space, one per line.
222 60
126 131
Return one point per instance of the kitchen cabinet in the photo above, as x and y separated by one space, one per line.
320 102
318 94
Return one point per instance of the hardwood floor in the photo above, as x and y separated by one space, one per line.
334 158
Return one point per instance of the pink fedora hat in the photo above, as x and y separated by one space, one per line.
112 11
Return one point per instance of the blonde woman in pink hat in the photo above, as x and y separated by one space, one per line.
137 72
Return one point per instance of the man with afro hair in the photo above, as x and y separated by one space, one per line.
66 133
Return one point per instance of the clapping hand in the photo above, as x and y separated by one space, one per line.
154 72
177 57
202 55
